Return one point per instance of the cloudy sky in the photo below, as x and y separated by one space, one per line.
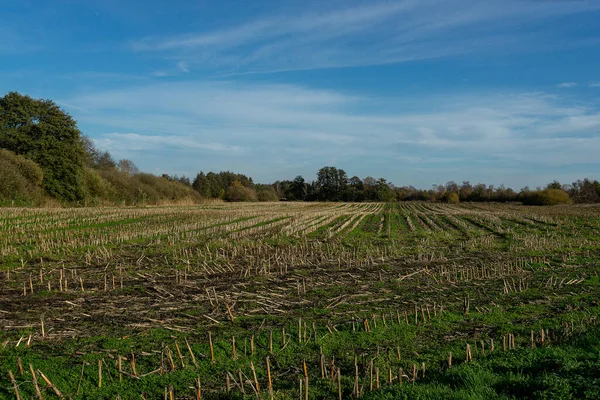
416 91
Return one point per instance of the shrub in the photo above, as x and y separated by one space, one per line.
237 192
547 197
452 198
266 193
145 189
20 180
552 197
96 187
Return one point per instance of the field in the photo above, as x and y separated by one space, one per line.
300 300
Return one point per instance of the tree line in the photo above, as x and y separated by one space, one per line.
333 184
44 156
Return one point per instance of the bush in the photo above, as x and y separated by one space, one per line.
547 197
145 189
452 198
237 192
20 180
96 187
266 193
552 197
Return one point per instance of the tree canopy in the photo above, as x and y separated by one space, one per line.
44 133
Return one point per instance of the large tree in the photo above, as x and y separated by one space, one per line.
331 183
297 190
44 133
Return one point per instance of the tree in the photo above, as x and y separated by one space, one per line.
465 191
200 185
297 190
215 186
104 161
369 188
480 192
452 187
554 185
384 191
128 167
94 157
356 189
44 133
585 191
331 183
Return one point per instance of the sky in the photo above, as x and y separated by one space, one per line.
419 92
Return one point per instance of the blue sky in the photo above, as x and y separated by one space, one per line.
418 91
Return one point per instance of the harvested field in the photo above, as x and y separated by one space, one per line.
266 300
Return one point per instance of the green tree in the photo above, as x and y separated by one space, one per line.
554 185
201 185
42 132
465 191
356 189
384 191
297 190
331 183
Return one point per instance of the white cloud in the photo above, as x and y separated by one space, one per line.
183 66
566 85
272 131
369 33
134 142
595 84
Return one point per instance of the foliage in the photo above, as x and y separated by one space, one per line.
213 185
20 180
452 198
586 191
238 192
546 197
266 193
128 167
97 187
95 158
142 188
42 132
297 189
75 171
331 184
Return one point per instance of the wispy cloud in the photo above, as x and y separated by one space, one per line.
135 142
567 85
276 131
183 66
365 34
595 84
